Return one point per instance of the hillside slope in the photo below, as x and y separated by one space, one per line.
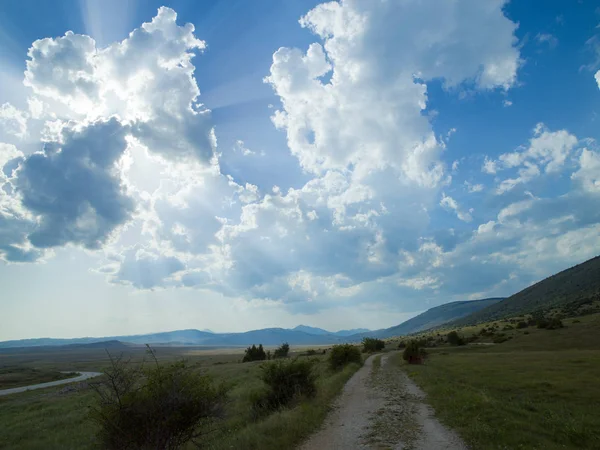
437 316
578 285
432 318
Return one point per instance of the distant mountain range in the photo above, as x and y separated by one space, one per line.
570 288
300 335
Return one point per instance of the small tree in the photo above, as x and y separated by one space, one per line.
371 345
413 353
455 339
401 345
255 353
343 354
163 407
282 351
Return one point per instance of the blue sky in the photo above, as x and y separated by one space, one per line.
337 164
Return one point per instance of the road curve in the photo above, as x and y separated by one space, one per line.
81 377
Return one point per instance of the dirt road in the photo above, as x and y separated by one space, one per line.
381 408
81 377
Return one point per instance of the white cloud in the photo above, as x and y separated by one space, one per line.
507 103
472 188
547 150
13 122
450 204
146 80
597 76
588 174
73 187
546 38
369 115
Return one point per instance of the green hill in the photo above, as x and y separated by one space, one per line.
568 290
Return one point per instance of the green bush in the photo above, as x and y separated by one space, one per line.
286 381
455 339
371 345
413 353
522 324
343 354
163 407
255 353
500 338
554 324
401 345
282 351
542 323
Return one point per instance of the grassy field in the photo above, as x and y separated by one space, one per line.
11 377
58 417
538 390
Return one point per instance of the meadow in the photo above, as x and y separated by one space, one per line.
58 417
539 389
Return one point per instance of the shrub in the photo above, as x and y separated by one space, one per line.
522 324
525 332
343 354
371 345
455 339
402 345
499 339
413 353
542 323
285 381
311 352
255 353
554 324
282 351
576 321
163 407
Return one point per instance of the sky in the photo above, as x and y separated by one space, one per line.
236 165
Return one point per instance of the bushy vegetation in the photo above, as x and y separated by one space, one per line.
455 339
413 353
164 406
522 324
286 381
282 351
255 353
553 323
344 354
371 345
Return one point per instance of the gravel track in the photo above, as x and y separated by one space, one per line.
382 408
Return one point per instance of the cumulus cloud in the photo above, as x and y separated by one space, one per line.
73 187
368 115
127 142
13 123
147 80
588 174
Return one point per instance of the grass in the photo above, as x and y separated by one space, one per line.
535 391
11 377
57 418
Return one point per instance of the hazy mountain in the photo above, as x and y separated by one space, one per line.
344 333
267 336
322 332
578 285
312 330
